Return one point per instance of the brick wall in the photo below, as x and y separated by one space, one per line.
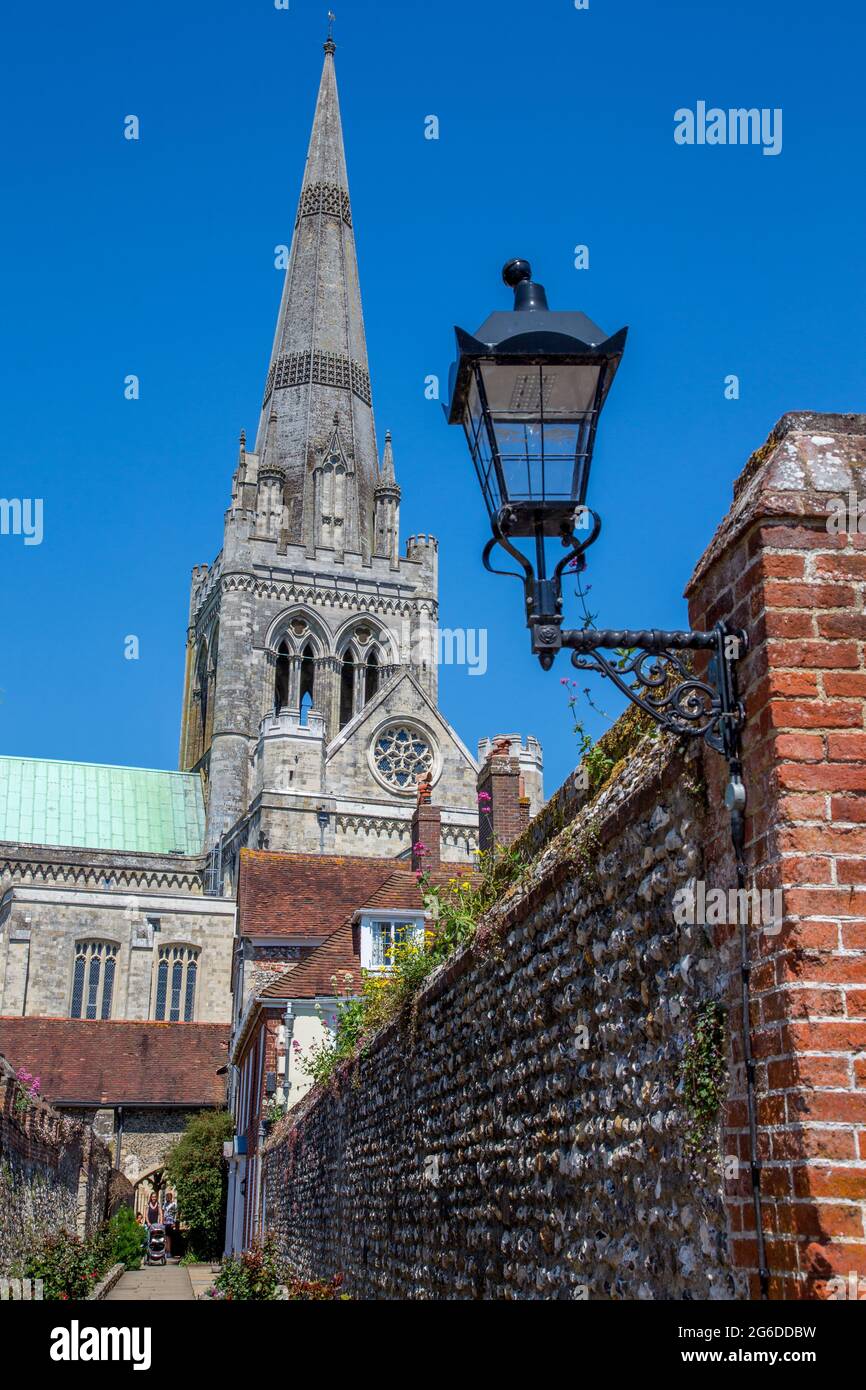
775 569
53 1173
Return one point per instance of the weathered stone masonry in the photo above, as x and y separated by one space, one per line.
486 1147
53 1173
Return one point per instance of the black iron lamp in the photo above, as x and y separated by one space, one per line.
528 389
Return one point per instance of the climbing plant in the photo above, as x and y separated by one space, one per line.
704 1073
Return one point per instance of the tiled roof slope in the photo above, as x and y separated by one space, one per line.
116 1062
313 978
303 895
340 954
91 806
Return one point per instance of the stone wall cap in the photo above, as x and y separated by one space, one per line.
807 457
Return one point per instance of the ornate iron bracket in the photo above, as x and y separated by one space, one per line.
649 670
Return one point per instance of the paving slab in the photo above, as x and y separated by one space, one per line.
153 1283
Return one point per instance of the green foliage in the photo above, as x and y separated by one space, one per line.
128 1239
704 1073
455 910
196 1171
68 1265
254 1276
595 762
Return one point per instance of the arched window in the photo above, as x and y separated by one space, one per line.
93 979
372 675
176 979
202 692
308 682
281 685
347 690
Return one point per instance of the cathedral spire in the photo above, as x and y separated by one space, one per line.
319 363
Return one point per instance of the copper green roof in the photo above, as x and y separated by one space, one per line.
90 806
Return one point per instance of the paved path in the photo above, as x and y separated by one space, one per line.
153 1282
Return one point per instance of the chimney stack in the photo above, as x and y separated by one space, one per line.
503 806
426 829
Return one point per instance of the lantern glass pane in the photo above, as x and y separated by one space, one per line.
569 390
541 417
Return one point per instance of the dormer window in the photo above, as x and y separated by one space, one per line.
381 934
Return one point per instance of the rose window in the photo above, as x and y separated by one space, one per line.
401 756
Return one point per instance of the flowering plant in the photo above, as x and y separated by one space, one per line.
28 1090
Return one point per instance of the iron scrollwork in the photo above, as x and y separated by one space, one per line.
650 671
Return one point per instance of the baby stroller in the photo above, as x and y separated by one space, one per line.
156 1245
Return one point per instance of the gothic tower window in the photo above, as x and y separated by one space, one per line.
347 690
308 682
176 980
201 695
281 687
332 494
372 674
93 979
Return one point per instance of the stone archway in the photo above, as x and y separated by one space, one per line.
145 1183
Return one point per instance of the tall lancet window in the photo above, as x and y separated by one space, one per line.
93 979
332 486
281 683
308 682
203 691
372 676
347 690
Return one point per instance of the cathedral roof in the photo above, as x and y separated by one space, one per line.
91 806
318 375
120 1063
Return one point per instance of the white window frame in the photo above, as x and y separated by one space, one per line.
371 922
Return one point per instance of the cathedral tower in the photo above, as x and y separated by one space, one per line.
310 707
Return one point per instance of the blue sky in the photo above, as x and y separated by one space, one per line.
556 129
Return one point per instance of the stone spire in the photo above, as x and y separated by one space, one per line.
318 368
387 508
387 477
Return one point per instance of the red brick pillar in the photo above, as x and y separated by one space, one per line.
503 806
798 585
426 831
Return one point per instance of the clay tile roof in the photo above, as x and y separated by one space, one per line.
303 895
117 1062
313 977
340 954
